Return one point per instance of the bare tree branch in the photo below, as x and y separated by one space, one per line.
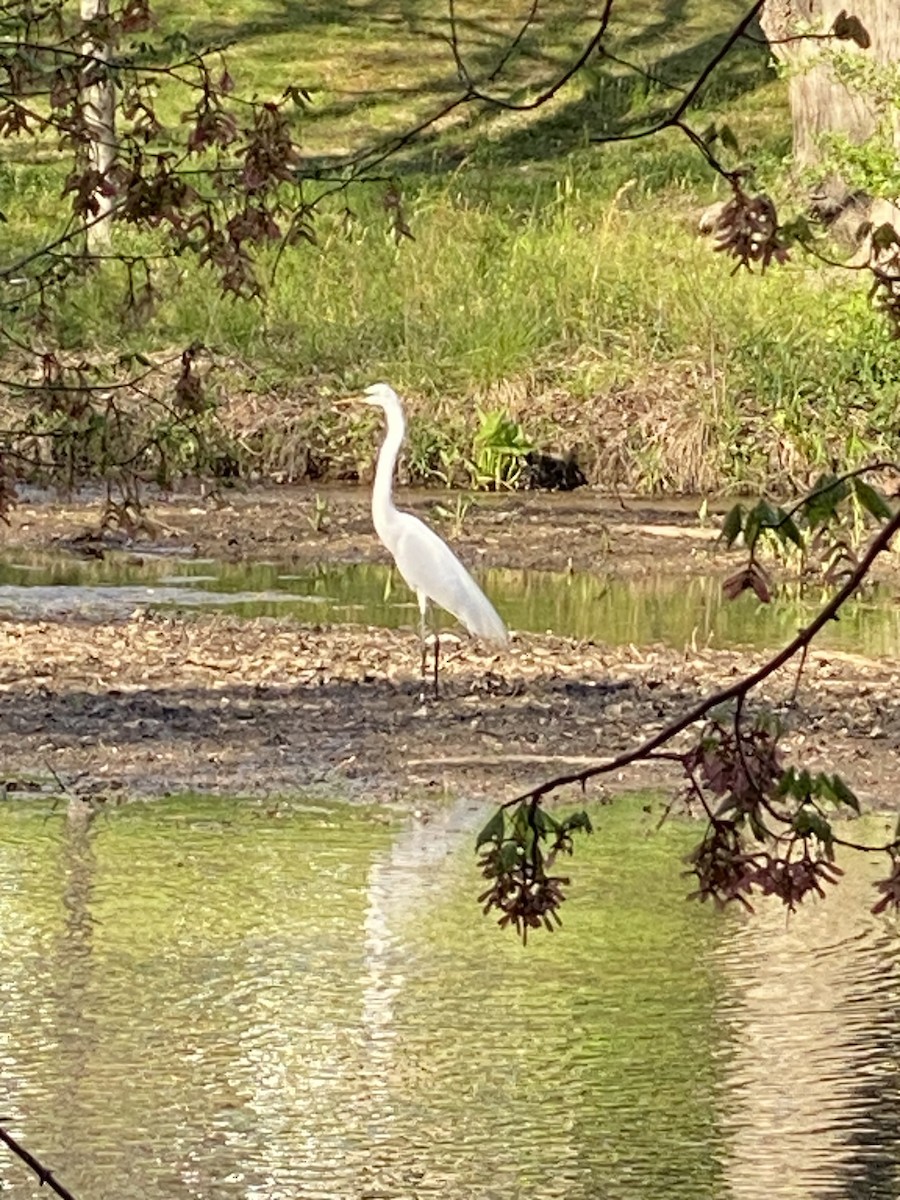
735 691
515 42
45 1176
675 119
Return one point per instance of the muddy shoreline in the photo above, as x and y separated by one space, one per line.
154 705
540 531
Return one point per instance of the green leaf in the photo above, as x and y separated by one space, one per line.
494 830
804 783
509 857
752 528
709 134
787 784
808 823
821 503
871 500
757 826
733 524
787 530
521 824
546 823
728 139
766 514
823 787
797 229
578 820
844 794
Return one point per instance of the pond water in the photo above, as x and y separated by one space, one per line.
662 608
226 1000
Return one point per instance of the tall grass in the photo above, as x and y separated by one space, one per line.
563 279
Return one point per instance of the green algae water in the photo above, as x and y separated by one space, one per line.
664 609
229 1000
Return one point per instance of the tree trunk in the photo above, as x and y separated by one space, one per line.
819 102
100 118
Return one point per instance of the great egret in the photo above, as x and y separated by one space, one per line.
427 563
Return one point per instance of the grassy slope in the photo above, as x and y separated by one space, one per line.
560 279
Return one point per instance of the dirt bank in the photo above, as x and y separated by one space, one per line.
159 704
555 532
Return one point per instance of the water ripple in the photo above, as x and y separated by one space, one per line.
202 1001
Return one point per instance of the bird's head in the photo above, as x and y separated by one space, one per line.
377 395
381 395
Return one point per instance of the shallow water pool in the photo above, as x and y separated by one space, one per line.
232 1000
663 608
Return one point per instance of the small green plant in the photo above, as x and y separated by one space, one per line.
455 516
499 451
320 516
432 452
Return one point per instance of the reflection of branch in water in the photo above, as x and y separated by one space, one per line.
873 1140
79 866
812 1010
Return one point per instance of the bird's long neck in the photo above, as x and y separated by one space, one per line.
382 501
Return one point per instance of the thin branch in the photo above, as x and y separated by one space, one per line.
669 84
560 82
749 773
44 1175
703 147
674 120
366 160
794 37
16 385
800 668
515 42
461 69
880 465
877 546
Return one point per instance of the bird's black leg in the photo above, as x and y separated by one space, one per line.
437 656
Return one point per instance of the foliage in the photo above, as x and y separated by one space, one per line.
824 529
769 825
769 828
522 846
216 183
456 516
872 165
499 451
244 194
83 420
224 231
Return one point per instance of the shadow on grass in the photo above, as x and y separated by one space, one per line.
397 39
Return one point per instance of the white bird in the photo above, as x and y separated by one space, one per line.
425 561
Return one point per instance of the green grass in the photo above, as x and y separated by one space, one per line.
561 279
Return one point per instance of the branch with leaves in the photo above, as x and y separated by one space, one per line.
228 182
768 825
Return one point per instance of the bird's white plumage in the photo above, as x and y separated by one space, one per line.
425 561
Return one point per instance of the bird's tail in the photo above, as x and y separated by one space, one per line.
490 627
